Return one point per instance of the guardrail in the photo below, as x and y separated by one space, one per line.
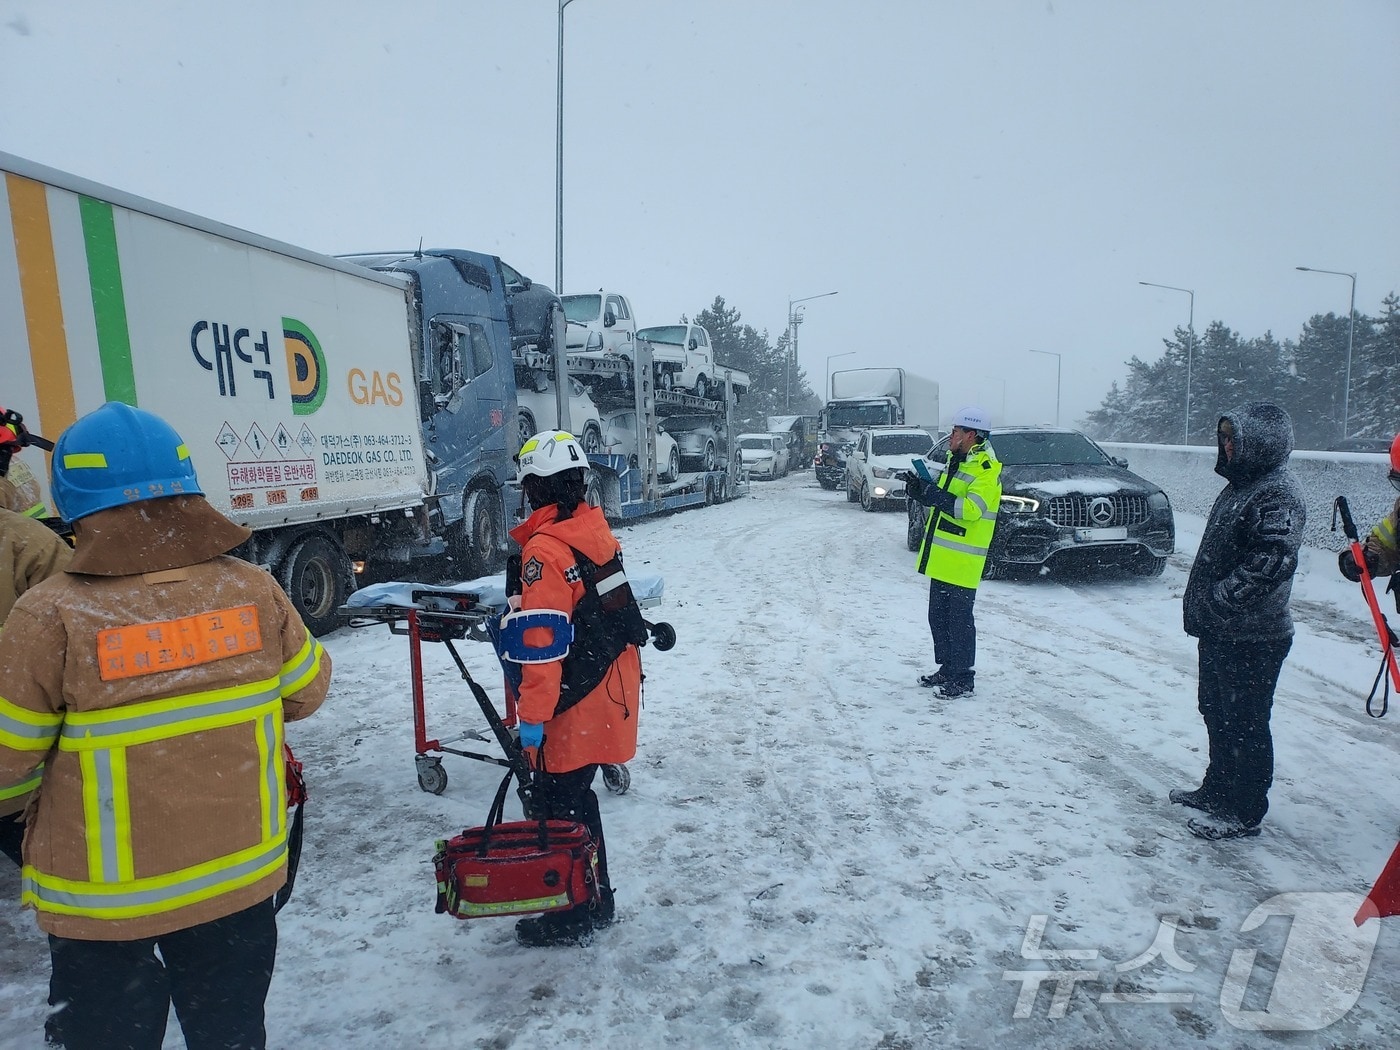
1187 475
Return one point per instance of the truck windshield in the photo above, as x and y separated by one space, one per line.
900 444
666 333
582 307
1030 447
872 415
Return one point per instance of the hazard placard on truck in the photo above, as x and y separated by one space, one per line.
289 375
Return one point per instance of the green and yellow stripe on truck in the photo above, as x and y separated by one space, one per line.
42 298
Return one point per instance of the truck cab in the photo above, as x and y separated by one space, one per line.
466 388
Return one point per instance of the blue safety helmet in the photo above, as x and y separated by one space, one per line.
118 455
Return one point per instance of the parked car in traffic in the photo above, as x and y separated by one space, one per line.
683 357
537 410
1065 500
620 439
599 323
764 455
698 441
880 455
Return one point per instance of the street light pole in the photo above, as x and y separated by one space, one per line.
1351 331
793 321
1056 356
826 389
559 161
1190 348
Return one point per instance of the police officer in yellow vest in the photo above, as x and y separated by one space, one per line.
152 679
963 506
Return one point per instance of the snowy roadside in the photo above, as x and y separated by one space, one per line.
816 852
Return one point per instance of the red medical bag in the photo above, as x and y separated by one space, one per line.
517 868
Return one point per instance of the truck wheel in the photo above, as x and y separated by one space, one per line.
702 388
710 460
480 534
526 425
314 574
593 491
673 465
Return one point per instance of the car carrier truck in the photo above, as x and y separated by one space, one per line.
869 397
349 410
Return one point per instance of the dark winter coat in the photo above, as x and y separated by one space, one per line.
1240 583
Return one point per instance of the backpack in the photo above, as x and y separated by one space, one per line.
606 621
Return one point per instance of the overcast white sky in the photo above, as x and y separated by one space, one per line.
976 180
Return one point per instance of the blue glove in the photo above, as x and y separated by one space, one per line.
531 734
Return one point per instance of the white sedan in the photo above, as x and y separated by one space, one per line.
537 411
764 455
620 439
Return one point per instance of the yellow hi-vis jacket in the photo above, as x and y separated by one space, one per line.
955 545
156 703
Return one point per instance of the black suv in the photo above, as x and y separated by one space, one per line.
1064 499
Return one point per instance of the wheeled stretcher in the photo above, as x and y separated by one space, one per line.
473 611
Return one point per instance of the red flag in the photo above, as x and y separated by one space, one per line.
1384 898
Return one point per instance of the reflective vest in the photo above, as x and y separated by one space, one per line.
955 545
100 739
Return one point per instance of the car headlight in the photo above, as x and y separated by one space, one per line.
1019 505
882 472
1159 501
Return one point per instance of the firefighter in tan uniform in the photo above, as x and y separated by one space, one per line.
152 680
29 553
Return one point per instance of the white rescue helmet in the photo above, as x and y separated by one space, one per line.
972 417
550 452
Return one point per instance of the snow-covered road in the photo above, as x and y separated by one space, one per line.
816 852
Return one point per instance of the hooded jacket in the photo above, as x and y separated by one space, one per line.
152 680
1242 578
602 727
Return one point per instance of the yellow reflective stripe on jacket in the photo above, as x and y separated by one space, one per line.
174 716
160 893
101 740
1384 534
303 667
22 787
272 788
36 511
23 730
107 815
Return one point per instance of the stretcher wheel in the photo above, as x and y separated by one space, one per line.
432 778
663 636
616 779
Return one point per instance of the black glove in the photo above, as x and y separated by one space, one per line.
913 484
1347 564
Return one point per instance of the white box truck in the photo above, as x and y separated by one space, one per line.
869 397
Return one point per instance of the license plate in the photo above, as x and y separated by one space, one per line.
1100 535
